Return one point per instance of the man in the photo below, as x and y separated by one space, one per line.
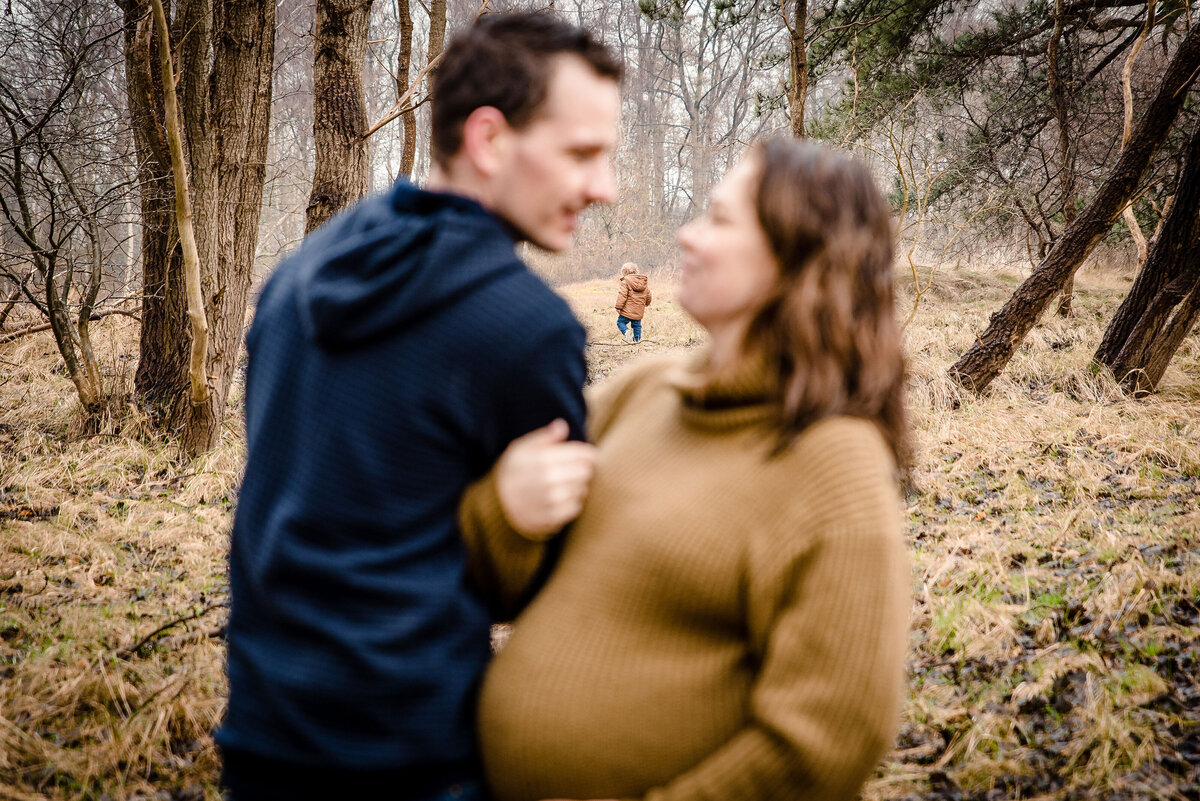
392 359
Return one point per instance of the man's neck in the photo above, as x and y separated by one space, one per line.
454 182
457 182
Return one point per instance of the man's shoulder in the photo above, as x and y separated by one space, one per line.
542 316
521 291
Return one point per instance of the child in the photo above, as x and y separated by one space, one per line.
632 301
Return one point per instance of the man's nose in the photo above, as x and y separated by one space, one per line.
602 188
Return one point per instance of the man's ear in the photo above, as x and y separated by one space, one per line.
486 140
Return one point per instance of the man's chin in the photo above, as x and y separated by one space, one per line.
556 244
551 242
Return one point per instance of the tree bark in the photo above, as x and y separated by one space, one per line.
9 303
993 349
408 153
1066 156
241 121
193 35
654 76
437 29
83 336
1135 230
437 43
339 108
1167 251
161 376
224 79
798 87
1180 325
183 217
1160 302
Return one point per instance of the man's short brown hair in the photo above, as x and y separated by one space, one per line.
506 61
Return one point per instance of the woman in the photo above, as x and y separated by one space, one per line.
728 617
633 297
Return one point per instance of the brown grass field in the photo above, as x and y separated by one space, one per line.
1054 528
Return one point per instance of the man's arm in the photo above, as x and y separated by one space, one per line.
538 383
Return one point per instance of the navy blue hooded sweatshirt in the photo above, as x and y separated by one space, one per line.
391 360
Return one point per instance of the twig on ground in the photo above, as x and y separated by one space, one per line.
149 638
622 344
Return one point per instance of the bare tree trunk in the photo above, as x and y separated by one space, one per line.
226 53
642 76
161 377
702 162
1173 333
408 153
658 185
798 86
1066 156
241 75
83 335
11 301
44 234
1139 340
60 326
193 34
657 72
437 29
437 43
1135 230
992 350
183 216
695 139
339 108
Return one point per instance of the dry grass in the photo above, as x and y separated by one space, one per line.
665 325
1056 536
1055 530
104 540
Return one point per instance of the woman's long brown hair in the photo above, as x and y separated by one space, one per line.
829 325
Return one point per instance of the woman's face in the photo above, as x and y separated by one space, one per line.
728 267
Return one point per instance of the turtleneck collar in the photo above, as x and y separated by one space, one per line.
734 398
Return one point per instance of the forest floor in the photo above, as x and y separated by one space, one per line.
1054 529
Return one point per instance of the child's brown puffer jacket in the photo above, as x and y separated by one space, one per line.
634 296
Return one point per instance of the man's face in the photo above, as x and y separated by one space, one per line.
560 162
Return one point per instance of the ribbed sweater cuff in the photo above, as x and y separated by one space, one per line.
481 512
503 561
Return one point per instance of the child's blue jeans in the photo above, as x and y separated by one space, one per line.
623 322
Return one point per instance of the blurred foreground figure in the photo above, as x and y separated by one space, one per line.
730 613
392 359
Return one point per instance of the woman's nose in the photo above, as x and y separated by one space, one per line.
684 235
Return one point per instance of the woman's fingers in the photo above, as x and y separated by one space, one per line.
542 479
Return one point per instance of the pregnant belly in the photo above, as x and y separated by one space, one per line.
610 721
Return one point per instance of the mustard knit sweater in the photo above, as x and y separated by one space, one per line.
723 624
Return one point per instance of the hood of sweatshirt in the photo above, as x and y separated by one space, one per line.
392 259
637 282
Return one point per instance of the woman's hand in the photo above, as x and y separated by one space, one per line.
542 479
